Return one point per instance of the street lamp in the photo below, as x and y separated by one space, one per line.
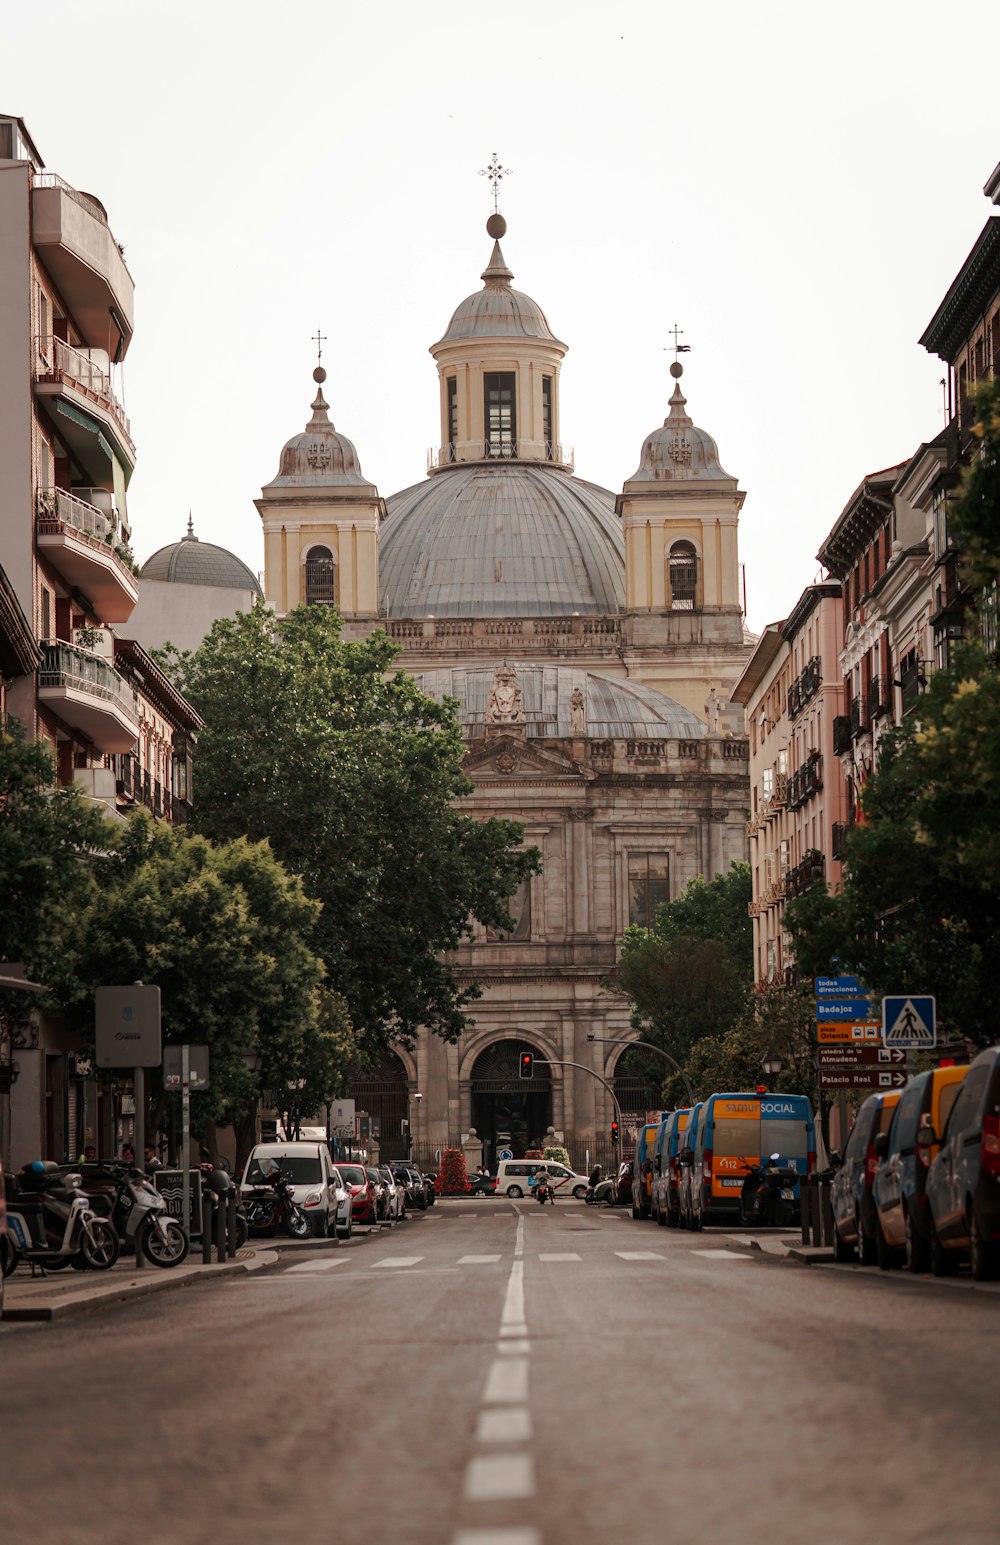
415 1099
772 1064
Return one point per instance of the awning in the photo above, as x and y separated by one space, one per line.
68 411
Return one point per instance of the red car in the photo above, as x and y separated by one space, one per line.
364 1202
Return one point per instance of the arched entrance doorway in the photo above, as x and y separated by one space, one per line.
509 1112
383 1096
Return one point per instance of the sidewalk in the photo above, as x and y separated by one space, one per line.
61 1294
784 1247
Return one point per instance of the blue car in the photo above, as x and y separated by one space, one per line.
963 1182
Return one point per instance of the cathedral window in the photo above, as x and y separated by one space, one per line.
547 417
452 416
519 907
321 577
501 425
648 886
683 575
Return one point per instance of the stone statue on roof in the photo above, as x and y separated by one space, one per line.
505 705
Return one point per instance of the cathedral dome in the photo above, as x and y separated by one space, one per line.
190 562
679 452
613 708
512 539
497 311
319 457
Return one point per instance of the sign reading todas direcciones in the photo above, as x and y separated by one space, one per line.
127 1027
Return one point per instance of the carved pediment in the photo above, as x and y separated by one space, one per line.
513 756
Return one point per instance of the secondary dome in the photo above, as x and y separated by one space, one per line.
679 452
497 311
507 540
613 709
319 457
190 562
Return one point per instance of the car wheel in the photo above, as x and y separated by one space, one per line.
673 1219
661 1217
842 1251
579 1192
867 1253
944 1263
321 1226
917 1254
888 1257
635 1212
515 1191
982 1252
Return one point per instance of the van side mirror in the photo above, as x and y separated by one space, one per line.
658 1164
926 1137
881 1144
686 1155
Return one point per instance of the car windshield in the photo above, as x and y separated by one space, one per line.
354 1174
301 1169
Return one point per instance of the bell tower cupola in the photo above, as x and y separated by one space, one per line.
498 366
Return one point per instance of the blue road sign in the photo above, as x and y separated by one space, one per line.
909 1021
505 1153
838 987
844 1008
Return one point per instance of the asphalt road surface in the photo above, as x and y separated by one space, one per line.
511 1376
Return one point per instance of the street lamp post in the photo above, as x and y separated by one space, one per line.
602 1040
555 1063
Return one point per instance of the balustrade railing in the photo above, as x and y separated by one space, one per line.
69 665
57 360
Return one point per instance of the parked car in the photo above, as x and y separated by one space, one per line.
622 1185
416 1190
381 1194
851 1190
364 1203
963 1182
902 1225
3 1234
396 1194
317 1184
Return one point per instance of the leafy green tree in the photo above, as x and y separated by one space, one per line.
352 773
776 1022
975 516
49 837
688 977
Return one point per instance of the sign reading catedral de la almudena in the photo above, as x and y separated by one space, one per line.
591 640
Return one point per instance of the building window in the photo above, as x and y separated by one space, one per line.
648 886
547 416
452 415
519 907
683 575
501 424
321 577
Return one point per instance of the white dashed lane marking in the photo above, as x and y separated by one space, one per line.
507 1383
497 1537
499 1478
504 1424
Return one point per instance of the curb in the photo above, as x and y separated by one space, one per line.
163 1282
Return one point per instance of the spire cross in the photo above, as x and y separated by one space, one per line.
496 173
678 348
319 339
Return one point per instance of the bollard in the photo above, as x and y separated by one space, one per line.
231 1221
806 1192
826 1203
137 1241
206 1227
220 1231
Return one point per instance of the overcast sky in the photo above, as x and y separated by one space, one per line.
794 185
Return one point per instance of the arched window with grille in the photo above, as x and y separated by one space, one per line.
321 577
683 566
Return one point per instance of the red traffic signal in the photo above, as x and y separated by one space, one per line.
527 1064
614 1131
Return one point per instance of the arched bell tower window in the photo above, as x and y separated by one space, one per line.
321 577
683 576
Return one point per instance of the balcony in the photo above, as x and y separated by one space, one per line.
878 699
804 876
840 831
79 541
805 686
841 735
74 242
87 693
806 781
79 386
857 717
500 449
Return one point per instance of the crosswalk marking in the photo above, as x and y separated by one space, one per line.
639 1255
341 1260
395 1261
477 1260
570 1256
722 1255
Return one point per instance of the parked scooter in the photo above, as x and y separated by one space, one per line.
139 1210
768 1194
600 1192
51 1223
276 1208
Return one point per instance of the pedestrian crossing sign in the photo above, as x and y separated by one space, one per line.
909 1022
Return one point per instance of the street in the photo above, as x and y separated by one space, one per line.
509 1376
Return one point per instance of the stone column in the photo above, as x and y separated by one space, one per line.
580 841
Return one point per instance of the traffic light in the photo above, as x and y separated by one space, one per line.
527 1064
614 1131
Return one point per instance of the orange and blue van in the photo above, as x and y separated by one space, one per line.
642 1170
736 1131
666 1167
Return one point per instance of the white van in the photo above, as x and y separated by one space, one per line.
514 1178
316 1184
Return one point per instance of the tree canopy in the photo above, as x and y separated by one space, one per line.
351 773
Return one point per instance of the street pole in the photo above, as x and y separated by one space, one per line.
186 1136
600 1040
551 1063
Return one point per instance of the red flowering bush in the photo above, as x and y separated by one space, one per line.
452 1177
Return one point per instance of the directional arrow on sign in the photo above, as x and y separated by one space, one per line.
861 1078
860 1056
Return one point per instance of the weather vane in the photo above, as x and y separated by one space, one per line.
319 339
678 348
496 173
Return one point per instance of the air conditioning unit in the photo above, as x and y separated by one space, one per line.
100 641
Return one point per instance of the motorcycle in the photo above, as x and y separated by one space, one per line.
51 1223
138 1210
543 1193
768 1194
276 1208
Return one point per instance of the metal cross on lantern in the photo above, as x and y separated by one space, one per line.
678 348
496 173
319 339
